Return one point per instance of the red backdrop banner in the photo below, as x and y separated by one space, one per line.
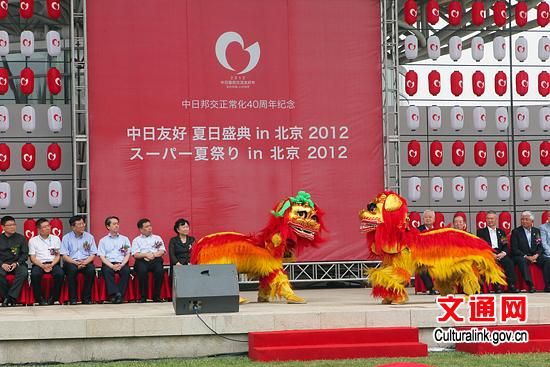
214 110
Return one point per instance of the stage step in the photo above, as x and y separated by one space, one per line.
539 341
307 345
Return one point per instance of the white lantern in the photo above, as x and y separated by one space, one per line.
54 43
480 118
501 118
544 118
55 119
455 48
457 118
499 48
481 188
415 188
525 188
4 119
503 188
5 195
437 188
434 47
29 194
522 118
544 48
4 43
434 117
27 43
28 118
521 49
478 48
459 188
411 47
545 188
55 194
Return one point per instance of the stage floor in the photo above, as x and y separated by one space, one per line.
107 332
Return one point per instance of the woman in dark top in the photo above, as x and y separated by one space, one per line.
180 246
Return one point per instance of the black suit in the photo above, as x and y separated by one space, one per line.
521 248
424 275
502 246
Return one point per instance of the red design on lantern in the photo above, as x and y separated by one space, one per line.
459 153
478 83
499 13
54 8
480 153
411 12
522 83
436 153
54 81
411 82
456 83
5 157
544 83
524 153
434 82
54 156
501 153
27 81
501 83
521 13
544 153
432 12
26 8
28 156
543 14
455 13
478 13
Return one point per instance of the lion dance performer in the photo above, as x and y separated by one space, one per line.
452 257
294 224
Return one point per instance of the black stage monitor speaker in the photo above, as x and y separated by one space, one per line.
205 289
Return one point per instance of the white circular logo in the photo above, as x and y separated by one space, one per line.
228 38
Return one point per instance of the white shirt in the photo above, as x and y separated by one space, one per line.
44 248
494 239
147 245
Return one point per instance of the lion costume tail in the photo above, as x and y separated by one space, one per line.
456 257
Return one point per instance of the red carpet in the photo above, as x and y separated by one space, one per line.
539 341
306 345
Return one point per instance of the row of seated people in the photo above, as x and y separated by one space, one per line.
74 257
524 255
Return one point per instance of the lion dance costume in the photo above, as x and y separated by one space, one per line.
294 224
452 257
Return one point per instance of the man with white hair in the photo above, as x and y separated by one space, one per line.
428 220
526 244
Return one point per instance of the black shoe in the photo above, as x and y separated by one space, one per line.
158 300
53 301
547 290
142 300
432 292
531 289
8 302
119 299
512 290
496 288
72 302
87 302
42 302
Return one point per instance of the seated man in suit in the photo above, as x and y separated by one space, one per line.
428 220
496 238
526 243
545 235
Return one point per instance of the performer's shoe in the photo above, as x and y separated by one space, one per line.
262 299
243 300
531 289
295 299
513 290
386 301
497 288
432 292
